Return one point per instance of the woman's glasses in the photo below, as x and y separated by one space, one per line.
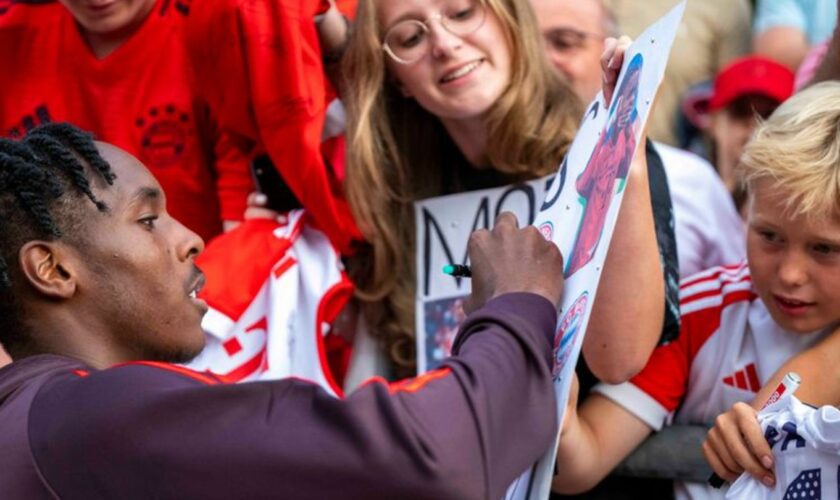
408 41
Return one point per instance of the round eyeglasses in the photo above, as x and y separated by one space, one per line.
408 41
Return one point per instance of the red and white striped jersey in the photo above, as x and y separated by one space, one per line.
273 291
728 347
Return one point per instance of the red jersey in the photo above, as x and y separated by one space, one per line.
269 93
139 98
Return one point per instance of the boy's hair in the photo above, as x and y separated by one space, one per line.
798 150
45 179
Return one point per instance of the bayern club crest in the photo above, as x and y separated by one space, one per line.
567 332
546 229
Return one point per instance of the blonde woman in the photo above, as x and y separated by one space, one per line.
445 96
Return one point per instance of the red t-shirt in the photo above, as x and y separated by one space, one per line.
269 93
139 98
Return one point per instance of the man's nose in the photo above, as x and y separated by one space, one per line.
190 244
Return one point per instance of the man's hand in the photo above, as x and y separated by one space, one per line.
509 259
736 444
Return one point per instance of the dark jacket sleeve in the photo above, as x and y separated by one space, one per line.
465 430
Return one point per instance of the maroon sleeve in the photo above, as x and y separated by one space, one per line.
465 430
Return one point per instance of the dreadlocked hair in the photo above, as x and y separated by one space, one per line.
43 178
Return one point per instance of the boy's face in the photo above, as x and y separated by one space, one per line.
105 17
794 262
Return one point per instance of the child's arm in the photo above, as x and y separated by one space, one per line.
595 439
736 443
632 289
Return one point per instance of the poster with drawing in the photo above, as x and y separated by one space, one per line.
577 209
581 208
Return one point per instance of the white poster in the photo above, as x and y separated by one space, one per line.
581 209
444 225
577 209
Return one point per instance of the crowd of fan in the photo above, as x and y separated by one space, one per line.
743 130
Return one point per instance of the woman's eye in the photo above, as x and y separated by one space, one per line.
412 41
462 14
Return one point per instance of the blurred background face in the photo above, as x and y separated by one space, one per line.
731 128
105 17
574 32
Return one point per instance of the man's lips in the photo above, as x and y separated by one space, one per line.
196 284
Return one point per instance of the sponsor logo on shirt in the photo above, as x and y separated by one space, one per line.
745 379
164 132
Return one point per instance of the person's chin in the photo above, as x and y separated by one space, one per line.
184 355
191 345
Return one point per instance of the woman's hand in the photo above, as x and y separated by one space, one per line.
736 444
611 61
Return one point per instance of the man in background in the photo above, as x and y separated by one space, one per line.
712 33
707 228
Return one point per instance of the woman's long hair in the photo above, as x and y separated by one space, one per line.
396 156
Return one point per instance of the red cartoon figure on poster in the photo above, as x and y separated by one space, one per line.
610 162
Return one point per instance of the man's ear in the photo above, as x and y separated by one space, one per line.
49 267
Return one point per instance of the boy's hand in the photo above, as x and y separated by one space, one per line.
736 444
509 259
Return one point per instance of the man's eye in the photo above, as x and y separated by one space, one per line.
565 39
559 43
149 221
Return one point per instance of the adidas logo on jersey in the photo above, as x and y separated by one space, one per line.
745 379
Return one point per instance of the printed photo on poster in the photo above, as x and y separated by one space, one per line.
442 318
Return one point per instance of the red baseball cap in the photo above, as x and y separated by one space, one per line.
751 75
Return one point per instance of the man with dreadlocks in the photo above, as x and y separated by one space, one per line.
98 292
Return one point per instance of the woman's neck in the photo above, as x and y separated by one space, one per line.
471 138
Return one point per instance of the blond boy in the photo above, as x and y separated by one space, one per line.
739 323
